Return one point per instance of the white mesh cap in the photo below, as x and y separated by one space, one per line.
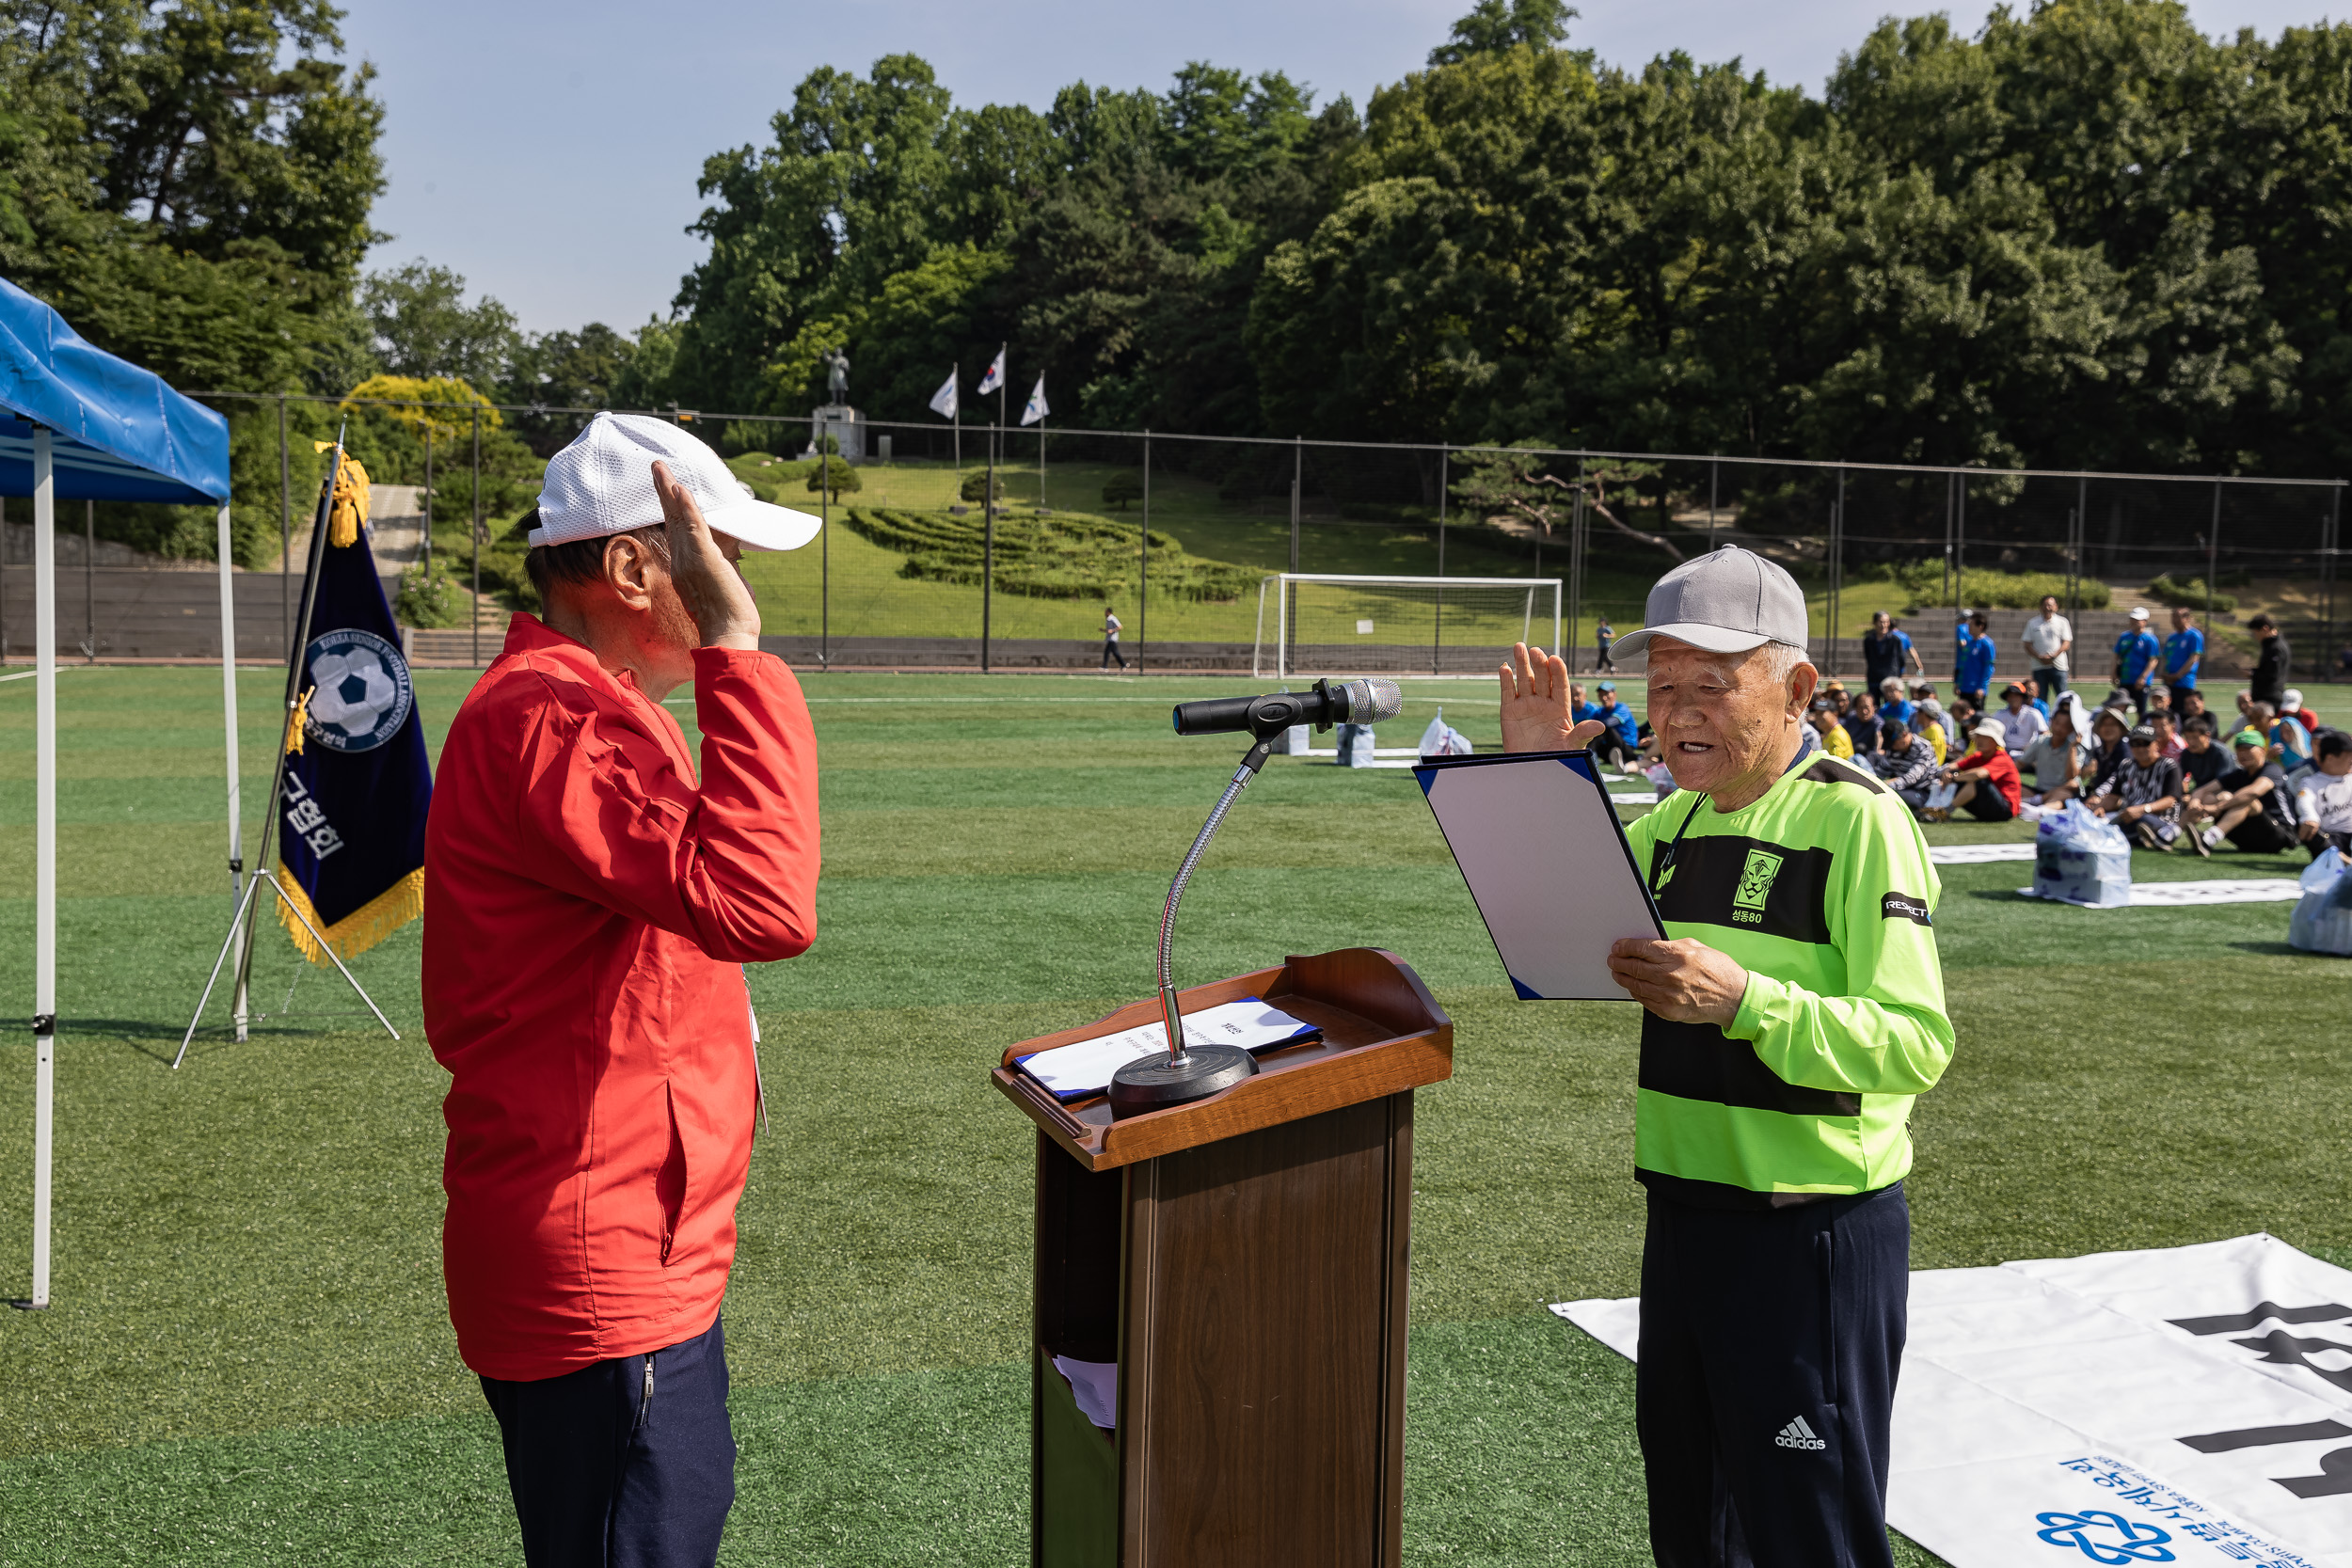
602 483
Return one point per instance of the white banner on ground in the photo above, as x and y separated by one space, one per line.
1978 854
2210 890
2189 1405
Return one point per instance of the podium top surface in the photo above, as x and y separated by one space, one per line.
1382 1032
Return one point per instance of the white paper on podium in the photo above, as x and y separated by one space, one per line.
1086 1068
1547 863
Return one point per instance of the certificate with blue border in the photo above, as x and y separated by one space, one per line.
1547 863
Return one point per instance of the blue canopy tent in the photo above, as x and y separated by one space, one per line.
80 424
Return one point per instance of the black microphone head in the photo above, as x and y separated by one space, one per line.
1369 701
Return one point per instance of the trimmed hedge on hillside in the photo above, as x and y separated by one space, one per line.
1068 557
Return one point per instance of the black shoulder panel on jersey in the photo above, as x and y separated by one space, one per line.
1828 770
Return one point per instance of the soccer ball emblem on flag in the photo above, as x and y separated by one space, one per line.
362 692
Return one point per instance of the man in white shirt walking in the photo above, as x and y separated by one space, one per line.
2049 638
1112 625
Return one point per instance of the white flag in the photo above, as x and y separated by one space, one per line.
1037 409
944 401
995 376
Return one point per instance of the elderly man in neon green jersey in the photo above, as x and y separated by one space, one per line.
1794 1009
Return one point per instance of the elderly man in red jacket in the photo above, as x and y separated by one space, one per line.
592 906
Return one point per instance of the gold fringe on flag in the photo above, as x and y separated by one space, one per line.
357 931
350 507
296 720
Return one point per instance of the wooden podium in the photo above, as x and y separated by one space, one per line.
1242 1259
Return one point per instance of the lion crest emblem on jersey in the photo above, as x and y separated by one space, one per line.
1755 879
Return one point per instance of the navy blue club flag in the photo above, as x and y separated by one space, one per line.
351 825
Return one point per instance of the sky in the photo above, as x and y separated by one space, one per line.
550 152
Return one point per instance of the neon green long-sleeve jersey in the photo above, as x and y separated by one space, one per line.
1822 889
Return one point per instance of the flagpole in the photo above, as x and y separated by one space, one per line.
987 551
242 930
264 852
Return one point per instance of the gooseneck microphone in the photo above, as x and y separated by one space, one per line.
1360 701
1190 1071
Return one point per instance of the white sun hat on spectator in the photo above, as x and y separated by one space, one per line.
2290 700
602 483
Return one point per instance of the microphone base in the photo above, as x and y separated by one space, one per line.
1156 1083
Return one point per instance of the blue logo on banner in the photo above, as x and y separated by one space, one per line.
2105 1536
363 693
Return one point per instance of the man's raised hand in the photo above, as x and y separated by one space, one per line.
1536 716
712 591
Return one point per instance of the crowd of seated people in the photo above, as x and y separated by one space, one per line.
2273 779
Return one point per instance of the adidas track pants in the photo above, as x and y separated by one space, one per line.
1770 1344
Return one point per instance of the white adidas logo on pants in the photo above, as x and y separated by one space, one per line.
1796 1434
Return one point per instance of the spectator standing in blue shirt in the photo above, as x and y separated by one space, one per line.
1976 661
2184 651
1603 635
1963 635
2136 655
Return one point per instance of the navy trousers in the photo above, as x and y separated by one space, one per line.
628 1464
1770 1340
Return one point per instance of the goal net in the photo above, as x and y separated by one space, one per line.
1324 624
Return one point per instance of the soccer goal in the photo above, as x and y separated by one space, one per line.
1324 623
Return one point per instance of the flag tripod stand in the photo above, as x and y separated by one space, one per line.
238 925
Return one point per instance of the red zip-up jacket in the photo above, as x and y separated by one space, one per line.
588 911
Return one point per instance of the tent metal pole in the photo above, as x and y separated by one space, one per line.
89 582
44 852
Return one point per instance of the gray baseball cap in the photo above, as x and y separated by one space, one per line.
1726 602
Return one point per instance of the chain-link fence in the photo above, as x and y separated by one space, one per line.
978 545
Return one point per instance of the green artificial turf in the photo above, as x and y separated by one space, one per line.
248 1360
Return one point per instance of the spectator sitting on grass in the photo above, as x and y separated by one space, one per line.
2035 697
2055 761
2143 795
1622 740
1823 718
1862 723
2249 805
1892 703
1579 709
2202 759
1928 719
2021 722
2169 743
2109 727
1964 717
2192 705
2290 740
1989 787
1905 761
2325 799
2292 702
